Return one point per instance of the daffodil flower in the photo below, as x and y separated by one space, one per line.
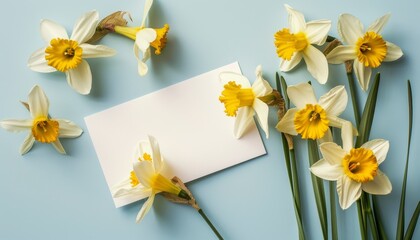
68 55
295 43
42 127
147 179
243 100
354 169
144 38
367 49
311 118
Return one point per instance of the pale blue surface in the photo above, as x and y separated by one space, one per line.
45 195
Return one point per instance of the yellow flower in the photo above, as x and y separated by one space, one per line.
367 49
147 178
354 169
242 100
66 54
42 127
311 118
295 43
144 38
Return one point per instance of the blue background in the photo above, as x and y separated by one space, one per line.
45 195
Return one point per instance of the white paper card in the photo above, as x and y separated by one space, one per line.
194 134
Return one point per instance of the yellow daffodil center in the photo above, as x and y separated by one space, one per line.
360 165
161 183
129 32
288 43
45 130
63 54
234 97
133 177
160 42
371 49
311 122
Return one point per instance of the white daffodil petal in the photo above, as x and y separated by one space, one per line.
332 153
142 148
147 5
296 20
144 37
38 63
348 191
38 102
261 88
156 157
378 24
337 122
327 137
362 74
379 186
393 52
85 27
327 171
144 171
141 63
287 123
341 54
138 192
350 28
317 31
379 148
243 120
145 208
95 51
80 78
57 145
262 114
27 144
226 77
68 129
51 30
334 102
287 65
16 125
347 135
301 94
316 63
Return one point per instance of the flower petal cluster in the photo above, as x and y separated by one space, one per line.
67 54
41 126
367 48
243 100
296 43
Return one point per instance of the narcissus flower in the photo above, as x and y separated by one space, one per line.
144 38
367 49
66 54
295 43
311 118
242 100
147 179
354 169
42 127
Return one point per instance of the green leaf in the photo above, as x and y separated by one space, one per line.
381 229
334 230
368 113
286 97
413 223
318 187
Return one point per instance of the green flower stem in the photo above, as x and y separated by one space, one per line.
200 211
354 98
362 223
369 214
296 194
334 231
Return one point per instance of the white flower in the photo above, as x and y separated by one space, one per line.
146 179
295 43
66 54
243 101
367 49
312 118
354 169
144 38
42 127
